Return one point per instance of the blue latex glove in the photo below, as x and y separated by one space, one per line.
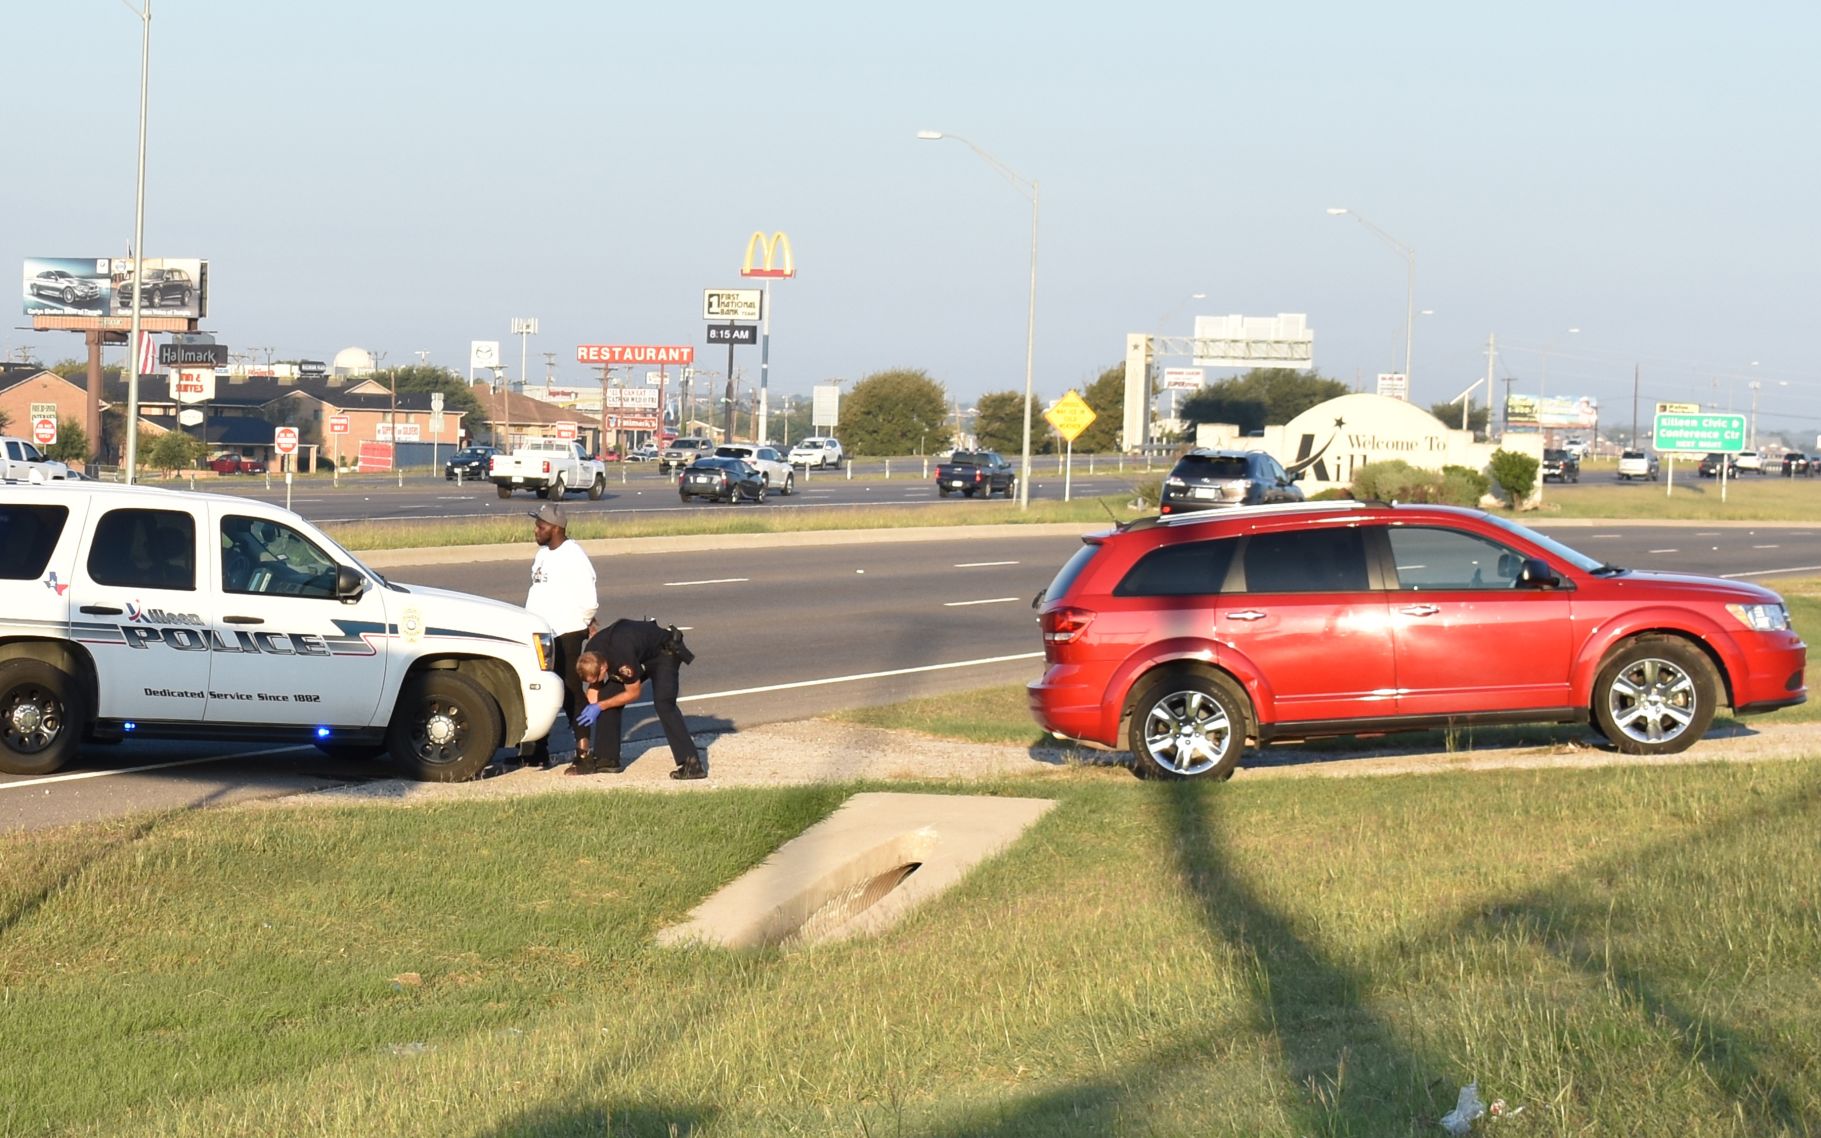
588 715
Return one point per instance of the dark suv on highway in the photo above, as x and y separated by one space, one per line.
470 464
1213 479
1189 636
1561 465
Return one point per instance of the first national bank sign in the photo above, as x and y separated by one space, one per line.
635 353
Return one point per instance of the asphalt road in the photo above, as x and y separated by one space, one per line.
788 633
639 488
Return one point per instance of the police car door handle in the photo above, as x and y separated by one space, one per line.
241 620
99 610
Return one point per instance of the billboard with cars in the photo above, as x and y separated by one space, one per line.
104 286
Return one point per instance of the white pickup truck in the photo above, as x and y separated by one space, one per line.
551 468
133 612
21 461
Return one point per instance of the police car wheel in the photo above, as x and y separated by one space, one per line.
41 717
598 488
444 729
790 484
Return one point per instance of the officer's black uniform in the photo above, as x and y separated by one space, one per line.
641 650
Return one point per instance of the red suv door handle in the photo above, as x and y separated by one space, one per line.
1246 614
1419 610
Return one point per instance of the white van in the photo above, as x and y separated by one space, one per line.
817 451
132 611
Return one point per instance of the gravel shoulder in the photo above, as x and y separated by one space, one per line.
821 751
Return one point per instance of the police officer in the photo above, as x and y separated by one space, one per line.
614 666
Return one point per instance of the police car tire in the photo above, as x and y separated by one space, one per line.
790 483
56 693
598 488
461 705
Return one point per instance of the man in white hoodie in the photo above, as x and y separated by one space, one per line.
563 593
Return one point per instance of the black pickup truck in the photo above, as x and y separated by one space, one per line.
971 472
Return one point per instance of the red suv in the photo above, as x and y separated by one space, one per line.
1196 633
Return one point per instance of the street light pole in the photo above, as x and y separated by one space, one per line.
131 443
1409 280
1027 187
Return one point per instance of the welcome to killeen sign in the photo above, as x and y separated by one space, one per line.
635 353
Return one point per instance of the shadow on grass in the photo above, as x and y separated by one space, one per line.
586 1121
1577 932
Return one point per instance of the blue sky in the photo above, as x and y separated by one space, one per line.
410 176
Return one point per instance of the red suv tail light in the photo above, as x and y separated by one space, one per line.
1062 625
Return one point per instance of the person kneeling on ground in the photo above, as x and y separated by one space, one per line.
613 667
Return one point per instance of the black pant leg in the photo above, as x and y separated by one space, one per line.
663 674
567 647
606 739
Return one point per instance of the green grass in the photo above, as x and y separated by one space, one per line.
1691 498
587 526
1329 957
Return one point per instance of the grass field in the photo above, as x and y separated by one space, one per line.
1606 950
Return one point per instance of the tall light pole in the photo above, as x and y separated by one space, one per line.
131 446
1409 280
524 327
1027 187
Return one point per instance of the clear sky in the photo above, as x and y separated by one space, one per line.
406 175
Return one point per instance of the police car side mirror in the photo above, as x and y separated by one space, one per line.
349 584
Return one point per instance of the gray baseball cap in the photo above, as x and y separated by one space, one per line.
552 513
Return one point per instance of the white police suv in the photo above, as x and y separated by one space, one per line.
130 611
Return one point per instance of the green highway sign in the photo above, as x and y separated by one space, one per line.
1714 432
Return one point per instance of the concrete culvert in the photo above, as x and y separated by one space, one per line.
859 870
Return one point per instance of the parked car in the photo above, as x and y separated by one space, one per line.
1577 447
1749 462
778 474
1711 465
67 287
1639 464
1185 637
646 453
1562 465
183 615
471 464
721 480
1213 479
817 451
1797 464
160 288
683 451
233 462
22 461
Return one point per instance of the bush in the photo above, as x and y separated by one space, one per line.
1515 474
1332 494
1463 486
1397 481
1148 493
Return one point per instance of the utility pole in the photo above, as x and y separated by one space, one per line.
1634 407
549 371
1492 355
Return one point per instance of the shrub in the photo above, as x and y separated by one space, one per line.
1463 486
1332 494
1395 480
1515 474
1148 493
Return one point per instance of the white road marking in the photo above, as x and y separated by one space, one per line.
1768 572
988 601
981 564
1707 533
152 767
1664 551
715 581
1604 535
1767 547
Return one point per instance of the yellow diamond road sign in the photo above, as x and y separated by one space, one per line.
1070 416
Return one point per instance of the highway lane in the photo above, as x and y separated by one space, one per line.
635 489
787 633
